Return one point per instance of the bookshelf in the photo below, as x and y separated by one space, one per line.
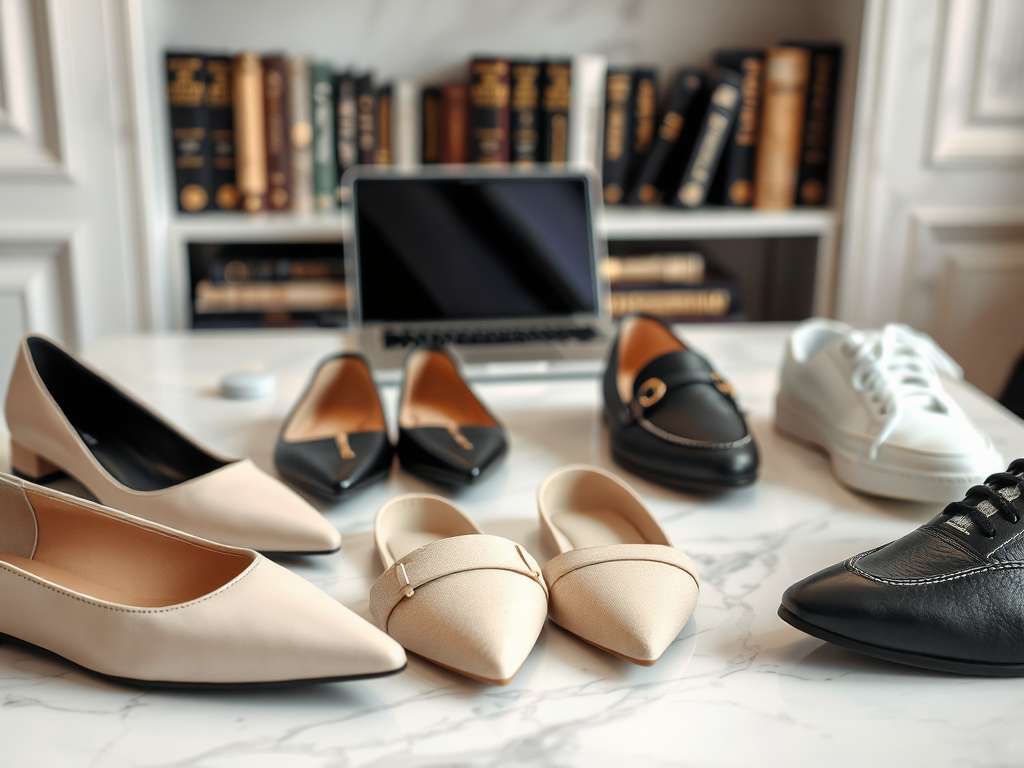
431 41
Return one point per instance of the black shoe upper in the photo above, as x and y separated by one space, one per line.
335 439
681 426
445 434
952 589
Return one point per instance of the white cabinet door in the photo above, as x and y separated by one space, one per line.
934 228
67 265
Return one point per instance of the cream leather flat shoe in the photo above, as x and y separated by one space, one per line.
469 602
618 583
133 600
65 417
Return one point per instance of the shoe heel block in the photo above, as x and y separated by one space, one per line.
29 465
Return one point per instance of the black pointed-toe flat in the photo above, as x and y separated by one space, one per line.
445 434
335 440
671 417
948 596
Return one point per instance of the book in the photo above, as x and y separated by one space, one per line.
643 119
454 123
430 134
677 302
660 268
276 122
524 114
346 125
618 108
190 134
300 105
489 87
221 115
736 173
366 120
250 144
325 161
683 103
383 139
586 110
714 132
555 98
782 123
819 122
405 132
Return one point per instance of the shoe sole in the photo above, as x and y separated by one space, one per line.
680 483
170 685
923 661
864 475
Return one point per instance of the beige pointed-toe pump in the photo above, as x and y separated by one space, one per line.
467 601
618 583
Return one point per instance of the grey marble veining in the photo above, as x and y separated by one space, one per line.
738 687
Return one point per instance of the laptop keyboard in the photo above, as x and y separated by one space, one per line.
510 335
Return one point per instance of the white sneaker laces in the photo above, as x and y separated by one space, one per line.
898 367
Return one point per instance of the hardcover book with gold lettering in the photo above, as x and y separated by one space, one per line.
222 132
556 94
489 97
735 184
190 131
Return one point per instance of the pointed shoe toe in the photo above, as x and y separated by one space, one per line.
469 602
618 583
631 608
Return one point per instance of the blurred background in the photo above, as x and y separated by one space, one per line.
108 224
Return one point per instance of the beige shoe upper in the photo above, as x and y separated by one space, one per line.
128 598
237 504
468 601
619 583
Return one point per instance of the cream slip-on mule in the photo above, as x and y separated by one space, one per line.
467 601
132 600
618 583
65 417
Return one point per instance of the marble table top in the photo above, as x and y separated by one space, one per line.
738 687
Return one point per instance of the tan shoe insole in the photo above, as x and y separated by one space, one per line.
342 400
436 396
640 342
596 528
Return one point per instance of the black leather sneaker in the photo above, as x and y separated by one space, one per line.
949 596
671 417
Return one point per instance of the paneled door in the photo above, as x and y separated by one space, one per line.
934 227
67 264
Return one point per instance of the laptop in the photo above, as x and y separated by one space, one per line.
501 267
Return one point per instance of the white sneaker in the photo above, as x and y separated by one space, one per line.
873 400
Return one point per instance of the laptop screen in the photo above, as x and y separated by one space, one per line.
474 248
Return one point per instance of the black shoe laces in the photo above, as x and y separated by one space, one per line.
990 492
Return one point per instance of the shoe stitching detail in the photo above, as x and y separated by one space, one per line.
1009 540
851 565
166 609
685 441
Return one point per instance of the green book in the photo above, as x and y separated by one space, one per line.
325 163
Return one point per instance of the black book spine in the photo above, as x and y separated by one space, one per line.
736 172
489 111
556 94
618 138
366 111
644 120
671 175
647 188
190 131
346 122
430 136
714 132
222 132
525 115
819 125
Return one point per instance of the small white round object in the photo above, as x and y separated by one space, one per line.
247 385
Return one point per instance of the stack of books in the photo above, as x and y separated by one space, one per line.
674 286
275 133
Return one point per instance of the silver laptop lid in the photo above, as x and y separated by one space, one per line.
465 244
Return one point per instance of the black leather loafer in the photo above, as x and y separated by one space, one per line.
949 596
445 433
335 440
672 418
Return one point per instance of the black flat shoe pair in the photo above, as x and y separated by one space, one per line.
672 419
335 440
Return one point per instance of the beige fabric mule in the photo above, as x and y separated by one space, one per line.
467 601
618 583
132 600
